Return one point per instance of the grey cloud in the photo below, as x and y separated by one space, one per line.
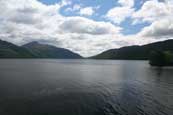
25 16
161 33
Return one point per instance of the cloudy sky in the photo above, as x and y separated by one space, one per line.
87 27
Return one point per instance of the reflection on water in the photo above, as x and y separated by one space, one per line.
84 87
158 70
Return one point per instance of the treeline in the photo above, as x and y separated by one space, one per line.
161 58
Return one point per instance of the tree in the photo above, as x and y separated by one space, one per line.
168 57
160 58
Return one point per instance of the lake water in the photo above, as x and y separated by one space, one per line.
84 87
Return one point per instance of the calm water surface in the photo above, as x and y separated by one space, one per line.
84 87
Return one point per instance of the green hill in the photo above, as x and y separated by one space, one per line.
34 50
135 52
9 50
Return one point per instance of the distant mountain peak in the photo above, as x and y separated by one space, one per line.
49 51
35 50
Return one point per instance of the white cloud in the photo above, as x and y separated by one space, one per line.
160 15
65 2
159 29
74 8
153 10
119 13
81 10
86 26
87 11
127 3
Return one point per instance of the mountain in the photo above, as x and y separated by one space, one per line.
37 50
48 51
34 50
135 52
9 50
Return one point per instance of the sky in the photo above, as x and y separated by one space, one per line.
87 27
